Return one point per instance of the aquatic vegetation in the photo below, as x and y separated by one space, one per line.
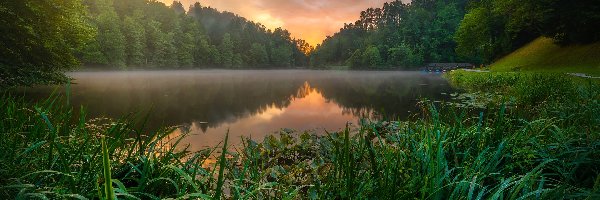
54 151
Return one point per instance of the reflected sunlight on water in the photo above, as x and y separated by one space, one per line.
309 110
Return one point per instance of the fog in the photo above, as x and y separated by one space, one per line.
249 102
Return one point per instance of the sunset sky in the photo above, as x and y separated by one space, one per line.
311 20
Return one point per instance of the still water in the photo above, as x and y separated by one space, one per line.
250 103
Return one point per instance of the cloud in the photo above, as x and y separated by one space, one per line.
311 20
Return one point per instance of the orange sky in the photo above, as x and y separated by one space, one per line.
311 20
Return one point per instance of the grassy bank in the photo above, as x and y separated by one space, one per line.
553 152
543 55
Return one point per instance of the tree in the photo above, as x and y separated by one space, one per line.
90 53
135 34
570 22
371 57
473 36
258 55
226 50
38 39
355 61
415 58
171 56
426 28
214 55
156 43
202 52
122 33
185 49
178 8
400 56
237 60
281 56
300 53
110 37
494 28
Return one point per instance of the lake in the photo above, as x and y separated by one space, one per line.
250 103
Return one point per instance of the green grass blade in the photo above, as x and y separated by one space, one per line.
222 165
109 192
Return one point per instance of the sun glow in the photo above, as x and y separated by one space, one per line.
268 20
311 20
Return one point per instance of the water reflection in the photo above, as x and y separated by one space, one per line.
253 103
308 110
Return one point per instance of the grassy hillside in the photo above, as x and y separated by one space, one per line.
543 55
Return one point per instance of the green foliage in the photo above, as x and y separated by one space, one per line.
226 51
258 55
371 57
355 60
201 37
171 56
237 60
110 38
91 53
202 52
37 40
494 28
109 191
222 166
399 56
184 42
135 35
404 56
214 55
473 35
64 155
281 56
535 93
41 38
406 35
157 44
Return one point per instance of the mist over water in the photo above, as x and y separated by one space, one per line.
251 103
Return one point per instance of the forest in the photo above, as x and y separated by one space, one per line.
141 33
407 36
148 34
396 35
40 42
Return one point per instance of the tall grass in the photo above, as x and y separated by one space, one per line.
52 151
436 158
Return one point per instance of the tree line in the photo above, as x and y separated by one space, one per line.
39 40
400 35
396 35
146 33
